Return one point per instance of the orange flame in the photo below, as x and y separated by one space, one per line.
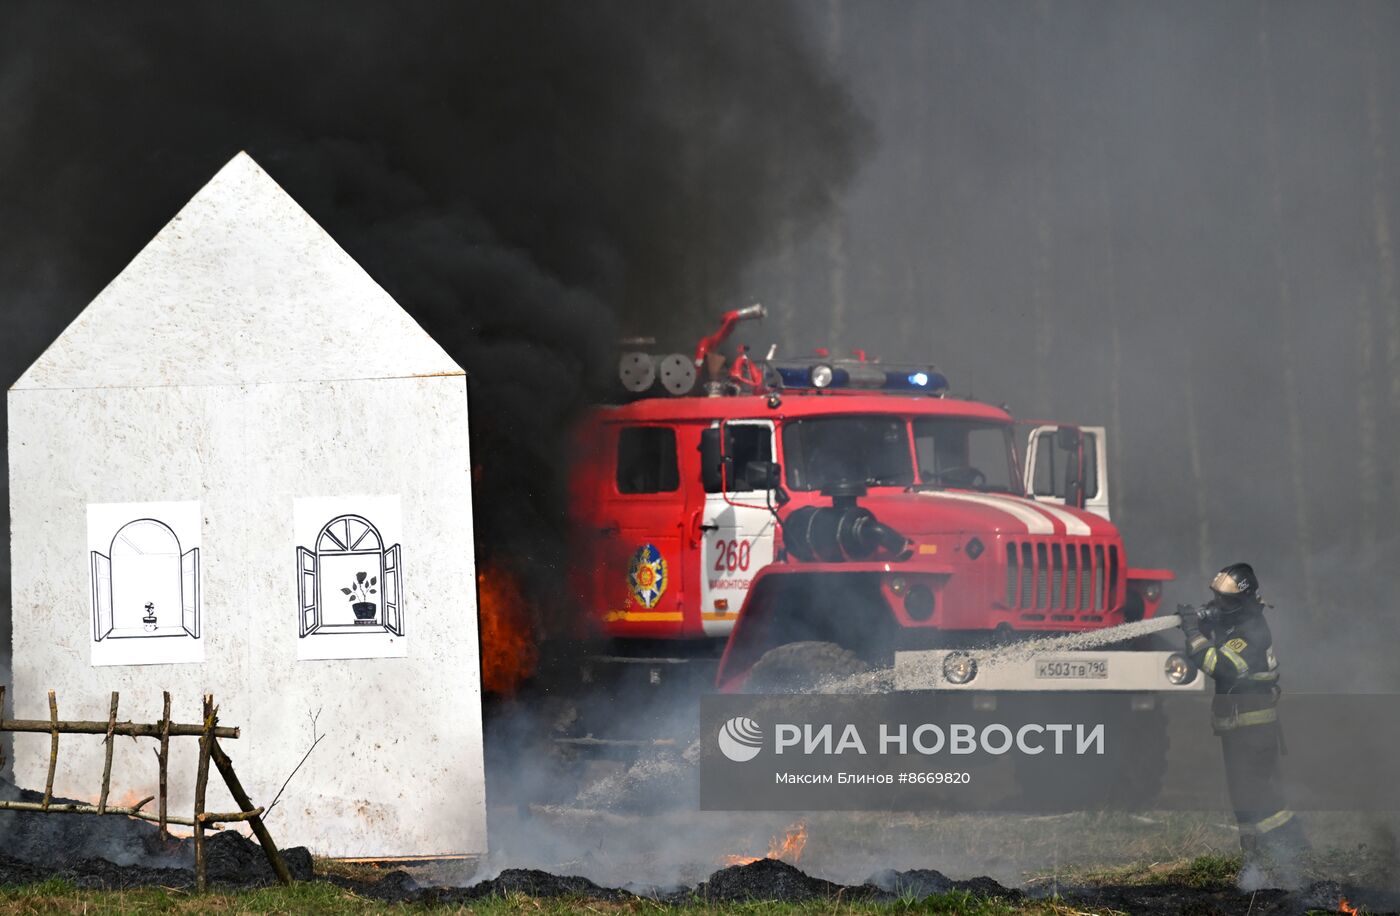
1344 907
789 848
508 652
127 799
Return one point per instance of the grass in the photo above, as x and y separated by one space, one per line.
1207 872
57 896
1010 849
1046 854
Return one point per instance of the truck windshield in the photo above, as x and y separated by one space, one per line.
965 454
822 451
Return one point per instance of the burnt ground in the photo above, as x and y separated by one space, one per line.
121 854
117 853
235 863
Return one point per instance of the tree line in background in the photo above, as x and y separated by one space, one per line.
1171 219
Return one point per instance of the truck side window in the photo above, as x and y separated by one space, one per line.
1052 468
745 444
646 460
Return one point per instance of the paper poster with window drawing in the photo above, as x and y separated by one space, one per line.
349 578
144 583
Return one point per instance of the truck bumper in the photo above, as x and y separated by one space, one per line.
1112 671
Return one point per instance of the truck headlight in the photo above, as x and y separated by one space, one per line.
899 585
959 667
822 375
1152 591
1179 668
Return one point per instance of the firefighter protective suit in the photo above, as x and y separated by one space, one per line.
1234 647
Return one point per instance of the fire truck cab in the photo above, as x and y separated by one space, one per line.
847 503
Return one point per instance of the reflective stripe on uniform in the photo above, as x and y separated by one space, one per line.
1236 659
1272 822
1208 663
1244 719
1263 676
1197 644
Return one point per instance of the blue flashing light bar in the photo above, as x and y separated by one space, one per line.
796 376
870 376
920 380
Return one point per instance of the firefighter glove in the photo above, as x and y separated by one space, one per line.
1190 619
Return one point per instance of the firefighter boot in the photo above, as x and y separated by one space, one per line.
1274 847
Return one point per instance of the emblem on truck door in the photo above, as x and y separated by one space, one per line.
646 575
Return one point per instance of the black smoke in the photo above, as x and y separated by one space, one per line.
528 179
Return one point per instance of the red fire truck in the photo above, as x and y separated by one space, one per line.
795 521
845 502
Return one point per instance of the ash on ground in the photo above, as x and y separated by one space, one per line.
116 852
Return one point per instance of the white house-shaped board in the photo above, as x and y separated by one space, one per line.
242 366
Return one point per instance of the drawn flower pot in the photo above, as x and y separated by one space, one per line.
358 593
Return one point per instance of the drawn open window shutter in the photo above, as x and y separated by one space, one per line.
101 596
393 591
189 588
310 615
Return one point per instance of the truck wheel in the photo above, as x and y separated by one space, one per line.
1133 608
1130 778
803 667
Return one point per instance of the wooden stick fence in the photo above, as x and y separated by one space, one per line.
208 731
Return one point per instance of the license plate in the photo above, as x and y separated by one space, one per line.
1071 668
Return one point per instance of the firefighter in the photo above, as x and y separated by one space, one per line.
1229 640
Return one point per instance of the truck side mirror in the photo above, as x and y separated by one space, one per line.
763 475
712 460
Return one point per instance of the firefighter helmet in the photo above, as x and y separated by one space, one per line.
1234 586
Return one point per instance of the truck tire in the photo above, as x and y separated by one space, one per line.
1134 608
1131 778
803 667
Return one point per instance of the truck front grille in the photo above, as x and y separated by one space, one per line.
1065 576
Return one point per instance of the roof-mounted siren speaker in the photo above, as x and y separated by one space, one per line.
677 374
637 371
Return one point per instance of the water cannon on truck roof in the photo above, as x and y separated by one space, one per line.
821 373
